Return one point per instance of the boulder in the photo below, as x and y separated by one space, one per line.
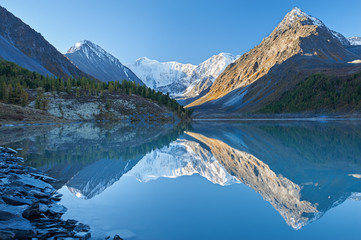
11 221
6 235
32 212
57 209
81 227
82 235
16 201
33 182
116 237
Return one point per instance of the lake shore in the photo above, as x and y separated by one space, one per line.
29 205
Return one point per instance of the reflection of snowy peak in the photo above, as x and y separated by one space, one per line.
177 78
181 158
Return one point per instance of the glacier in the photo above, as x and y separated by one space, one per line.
181 81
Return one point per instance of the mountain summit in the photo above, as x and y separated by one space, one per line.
297 15
95 61
298 46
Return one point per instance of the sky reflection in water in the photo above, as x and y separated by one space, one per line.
239 180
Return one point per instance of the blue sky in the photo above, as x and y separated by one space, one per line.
187 31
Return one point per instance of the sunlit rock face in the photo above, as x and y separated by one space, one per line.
181 158
300 44
283 194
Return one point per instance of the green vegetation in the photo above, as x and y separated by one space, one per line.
320 93
15 79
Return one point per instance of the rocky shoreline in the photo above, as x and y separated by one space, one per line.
29 205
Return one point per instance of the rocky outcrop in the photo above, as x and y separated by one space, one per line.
95 61
110 106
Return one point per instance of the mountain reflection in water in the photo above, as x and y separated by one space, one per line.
302 169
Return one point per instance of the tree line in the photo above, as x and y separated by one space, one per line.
14 80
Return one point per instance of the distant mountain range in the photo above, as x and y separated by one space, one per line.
185 82
299 45
95 61
222 85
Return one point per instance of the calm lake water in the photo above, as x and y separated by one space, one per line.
209 180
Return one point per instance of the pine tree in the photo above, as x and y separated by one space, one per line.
77 92
110 87
3 89
39 98
68 86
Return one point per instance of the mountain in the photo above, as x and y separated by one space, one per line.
354 40
158 75
10 53
299 45
183 81
28 48
92 59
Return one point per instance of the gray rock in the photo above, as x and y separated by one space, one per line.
32 212
39 194
82 228
16 201
11 221
56 208
6 235
43 177
9 150
116 237
43 208
82 235
33 182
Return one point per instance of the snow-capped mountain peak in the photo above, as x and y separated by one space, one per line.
94 60
354 40
88 48
157 74
178 78
297 14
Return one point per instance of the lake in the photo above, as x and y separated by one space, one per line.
207 180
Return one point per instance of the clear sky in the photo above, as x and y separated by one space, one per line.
187 31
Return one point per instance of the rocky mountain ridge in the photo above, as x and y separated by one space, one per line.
95 61
34 51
